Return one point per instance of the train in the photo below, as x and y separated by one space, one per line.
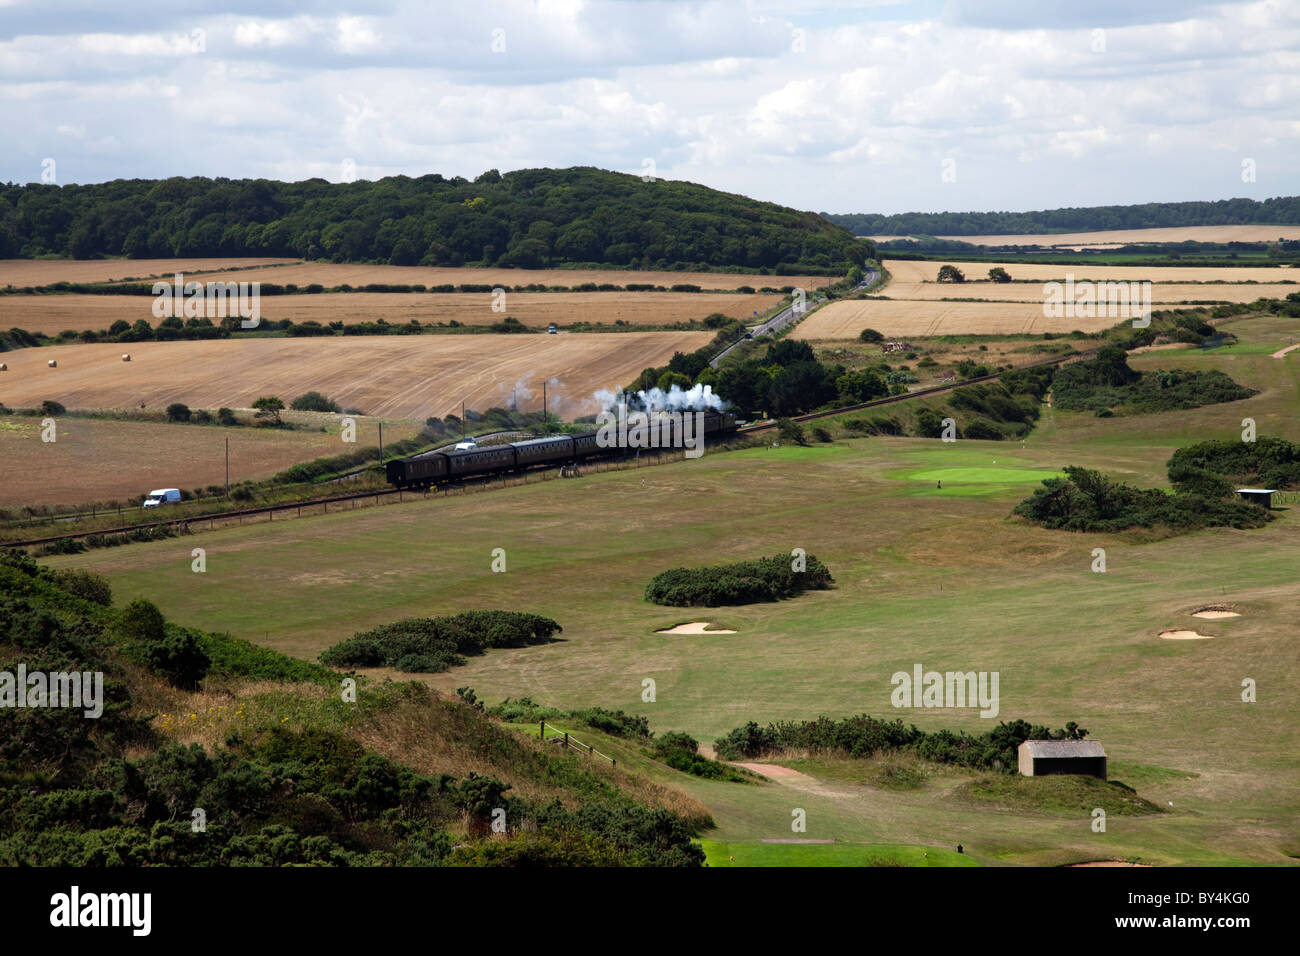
436 467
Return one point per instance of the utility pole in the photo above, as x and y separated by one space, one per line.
381 443
462 418
543 401
227 467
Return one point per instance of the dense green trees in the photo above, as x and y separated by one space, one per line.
525 219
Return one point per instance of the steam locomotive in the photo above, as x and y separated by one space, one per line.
434 467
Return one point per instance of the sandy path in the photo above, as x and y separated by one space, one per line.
775 771
1281 352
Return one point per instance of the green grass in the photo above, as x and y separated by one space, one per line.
941 578
829 854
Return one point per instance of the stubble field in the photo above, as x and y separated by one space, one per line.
51 314
105 460
397 376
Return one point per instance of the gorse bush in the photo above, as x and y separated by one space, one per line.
430 644
314 401
746 582
1268 462
682 752
865 736
1086 500
1107 382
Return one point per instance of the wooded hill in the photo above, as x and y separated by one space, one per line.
530 218
1283 210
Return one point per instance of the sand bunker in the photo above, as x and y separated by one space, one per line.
1111 863
1183 635
1215 612
695 627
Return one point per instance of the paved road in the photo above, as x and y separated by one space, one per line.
787 317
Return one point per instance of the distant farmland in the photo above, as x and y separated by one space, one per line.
52 314
1118 237
915 306
394 376
902 318
916 270
1161 292
330 274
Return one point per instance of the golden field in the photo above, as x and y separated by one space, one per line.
915 270
52 314
902 319
398 376
104 460
1168 293
331 274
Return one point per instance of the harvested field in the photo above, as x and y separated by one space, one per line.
902 319
331 274
99 460
1162 293
915 270
1118 237
34 272
394 376
52 314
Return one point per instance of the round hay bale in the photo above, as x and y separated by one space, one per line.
126 356
3 367
52 363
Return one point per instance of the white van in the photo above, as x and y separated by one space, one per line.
466 444
163 496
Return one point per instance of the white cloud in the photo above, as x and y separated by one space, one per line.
710 89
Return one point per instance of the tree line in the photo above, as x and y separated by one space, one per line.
528 219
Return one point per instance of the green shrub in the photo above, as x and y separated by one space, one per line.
171 651
1086 500
85 585
746 582
178 412
314 402
437 643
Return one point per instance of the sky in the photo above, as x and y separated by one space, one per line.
825 105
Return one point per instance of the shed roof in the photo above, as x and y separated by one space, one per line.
1063 748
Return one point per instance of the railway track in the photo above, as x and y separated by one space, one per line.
920 392
380 495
